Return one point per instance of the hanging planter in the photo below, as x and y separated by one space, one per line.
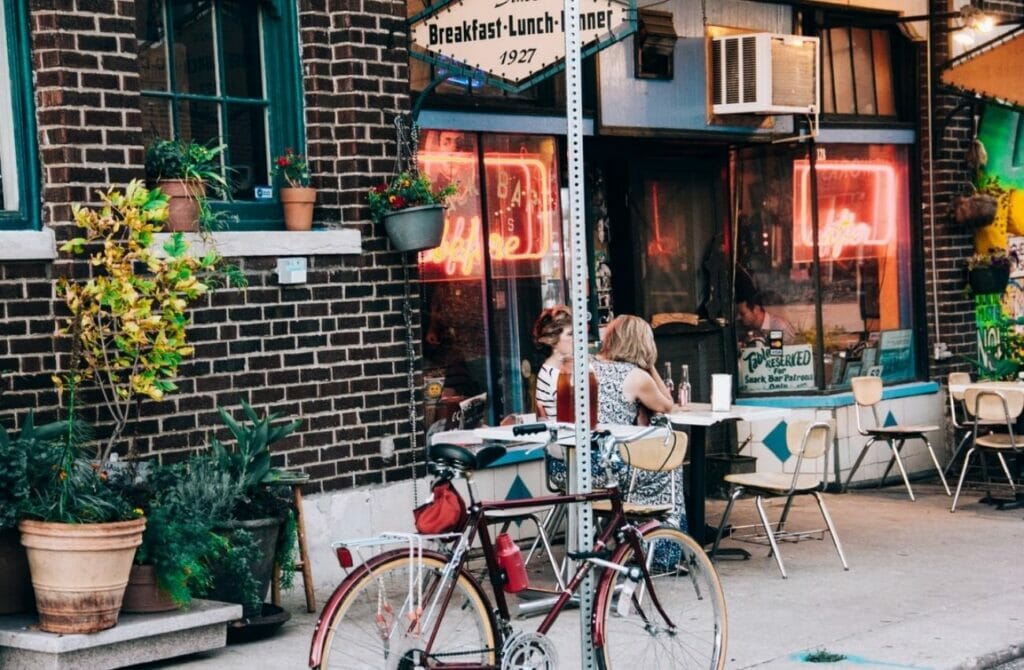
415 228
975 211
988 280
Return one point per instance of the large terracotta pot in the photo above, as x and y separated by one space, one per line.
15 582
144 594
415 228
183 207
298 207
79 571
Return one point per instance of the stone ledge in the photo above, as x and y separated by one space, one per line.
28 245
273 243
137 638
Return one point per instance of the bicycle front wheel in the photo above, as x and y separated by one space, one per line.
374 624
688 632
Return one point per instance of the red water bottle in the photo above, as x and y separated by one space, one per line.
511 561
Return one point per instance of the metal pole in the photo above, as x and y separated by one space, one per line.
578 249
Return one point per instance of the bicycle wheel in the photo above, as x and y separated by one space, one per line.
370 628
637 635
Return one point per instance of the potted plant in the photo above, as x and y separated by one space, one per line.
412 210
978 208
80 533
136 303
988 272
297 198
184 171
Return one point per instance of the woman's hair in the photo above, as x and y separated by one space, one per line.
549 326
629 338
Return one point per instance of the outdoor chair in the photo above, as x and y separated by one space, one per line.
1002 407
808 442
651 454
867 393
963 422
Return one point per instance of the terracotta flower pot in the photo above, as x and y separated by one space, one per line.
79 571
15 582
298 207
415 228
183 208
143 594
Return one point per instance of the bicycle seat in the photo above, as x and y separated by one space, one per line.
452 455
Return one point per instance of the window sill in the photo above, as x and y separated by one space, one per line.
840 398
275 243
28 245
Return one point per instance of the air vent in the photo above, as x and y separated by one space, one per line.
764 73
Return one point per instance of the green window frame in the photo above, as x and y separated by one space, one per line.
279 97
19 164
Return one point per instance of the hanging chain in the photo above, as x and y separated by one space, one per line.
410 352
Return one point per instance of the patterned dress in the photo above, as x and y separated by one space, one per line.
652 488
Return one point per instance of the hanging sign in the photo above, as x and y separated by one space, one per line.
512 44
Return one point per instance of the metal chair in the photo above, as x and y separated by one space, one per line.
986 405
808 442
652 454
867 392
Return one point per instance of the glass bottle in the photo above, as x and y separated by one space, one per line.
565 398
667 378
684 385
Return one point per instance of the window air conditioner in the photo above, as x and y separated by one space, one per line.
764 73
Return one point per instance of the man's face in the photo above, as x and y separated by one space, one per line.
751 317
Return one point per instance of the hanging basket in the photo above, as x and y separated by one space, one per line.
988 280
415 228
975 211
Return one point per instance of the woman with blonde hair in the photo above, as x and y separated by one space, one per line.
629 390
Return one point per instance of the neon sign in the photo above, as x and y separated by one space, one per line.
521 210
856 209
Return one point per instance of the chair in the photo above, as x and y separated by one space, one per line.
808 442
867 392
986 405
651 454
961 419
296 480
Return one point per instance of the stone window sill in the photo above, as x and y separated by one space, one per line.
275 243
28 245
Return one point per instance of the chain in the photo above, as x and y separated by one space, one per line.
410 352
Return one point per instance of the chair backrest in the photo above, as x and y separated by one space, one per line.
867 392
656 454
958 378
956 399
809 440
991 405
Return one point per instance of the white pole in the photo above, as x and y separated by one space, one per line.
578 250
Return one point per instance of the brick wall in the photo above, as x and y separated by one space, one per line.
332 350
952 132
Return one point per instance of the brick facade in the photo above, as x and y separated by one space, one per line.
331 350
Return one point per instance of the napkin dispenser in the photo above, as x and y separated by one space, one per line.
721 392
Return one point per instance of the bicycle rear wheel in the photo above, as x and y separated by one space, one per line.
637 635
371 627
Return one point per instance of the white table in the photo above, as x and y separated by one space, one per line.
698 417
989 385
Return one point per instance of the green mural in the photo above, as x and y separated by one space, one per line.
1002 133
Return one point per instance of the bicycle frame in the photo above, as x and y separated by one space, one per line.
618 526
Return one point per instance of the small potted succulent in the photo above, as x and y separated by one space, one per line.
185 171
297 197
988 272
412 210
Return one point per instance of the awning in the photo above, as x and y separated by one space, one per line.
992 70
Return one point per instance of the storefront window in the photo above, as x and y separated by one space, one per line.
498 265
862 245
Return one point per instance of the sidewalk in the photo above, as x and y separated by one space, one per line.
926 589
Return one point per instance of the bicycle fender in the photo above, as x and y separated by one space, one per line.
323 621
604 590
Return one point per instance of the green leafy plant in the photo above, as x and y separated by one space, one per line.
178 159
993 258
293 168
25 462
404 190
129 320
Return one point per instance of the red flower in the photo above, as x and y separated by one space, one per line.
380 188
397 201
282 161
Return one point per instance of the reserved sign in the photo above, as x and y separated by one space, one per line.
761 369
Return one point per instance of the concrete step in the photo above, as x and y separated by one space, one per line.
137 638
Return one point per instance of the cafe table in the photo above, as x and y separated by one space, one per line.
988 385
697 417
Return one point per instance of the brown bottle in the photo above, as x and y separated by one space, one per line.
565 400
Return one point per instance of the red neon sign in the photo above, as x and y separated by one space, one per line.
521 210
856 209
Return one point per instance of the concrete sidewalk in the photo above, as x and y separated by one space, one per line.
926 589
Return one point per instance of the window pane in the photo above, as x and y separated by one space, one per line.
247 149
828 91
196 70
242 57
883 73
8 156
156 119
841 70
864 71
199 121
152 46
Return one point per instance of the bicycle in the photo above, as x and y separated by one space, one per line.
658 603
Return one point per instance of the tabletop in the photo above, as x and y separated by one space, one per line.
990 385
504 434
700 414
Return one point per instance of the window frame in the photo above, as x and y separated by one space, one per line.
18 64
285 111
